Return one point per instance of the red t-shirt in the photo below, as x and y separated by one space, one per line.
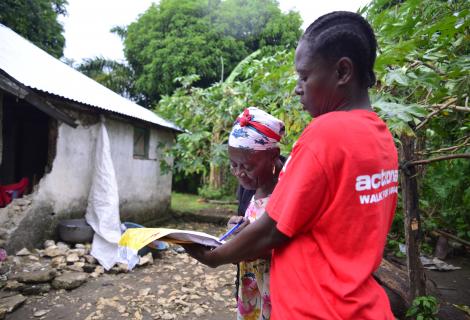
335 200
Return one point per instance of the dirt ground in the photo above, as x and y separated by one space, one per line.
453 286
178 287
174 287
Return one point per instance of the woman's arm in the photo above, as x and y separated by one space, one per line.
255 241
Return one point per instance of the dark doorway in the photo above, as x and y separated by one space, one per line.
25 141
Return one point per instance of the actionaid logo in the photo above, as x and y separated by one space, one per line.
375 181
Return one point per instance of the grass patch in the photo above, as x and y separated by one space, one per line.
184 202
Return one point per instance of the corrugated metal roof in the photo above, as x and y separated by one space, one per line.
36 69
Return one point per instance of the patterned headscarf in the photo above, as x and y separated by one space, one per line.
255 129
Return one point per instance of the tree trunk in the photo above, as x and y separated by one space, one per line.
395 283
216 173
394 278
216 178
409 186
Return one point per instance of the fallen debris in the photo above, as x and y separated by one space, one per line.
437 264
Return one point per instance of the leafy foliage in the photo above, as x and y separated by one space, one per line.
446 197
208 114
424 64
423 59
206 37
36 20
424 308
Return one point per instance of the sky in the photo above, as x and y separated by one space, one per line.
88 22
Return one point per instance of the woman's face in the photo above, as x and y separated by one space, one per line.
317 81
253 168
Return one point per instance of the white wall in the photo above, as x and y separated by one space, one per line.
144 192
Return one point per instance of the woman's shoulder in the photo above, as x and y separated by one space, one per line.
339 123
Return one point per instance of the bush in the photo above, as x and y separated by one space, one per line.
424 308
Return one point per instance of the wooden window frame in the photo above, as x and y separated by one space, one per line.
141 133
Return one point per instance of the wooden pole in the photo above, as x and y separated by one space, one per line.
410 197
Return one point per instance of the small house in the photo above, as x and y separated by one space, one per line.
49 119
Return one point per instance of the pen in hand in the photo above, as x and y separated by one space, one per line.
235 227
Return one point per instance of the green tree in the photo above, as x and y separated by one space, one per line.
423 73
36 20
208 114
205 37
112 74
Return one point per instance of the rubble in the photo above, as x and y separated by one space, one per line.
171 286
36 272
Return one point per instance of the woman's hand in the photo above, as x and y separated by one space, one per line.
200 253
234 220
257 240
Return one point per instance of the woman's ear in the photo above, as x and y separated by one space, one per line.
344 70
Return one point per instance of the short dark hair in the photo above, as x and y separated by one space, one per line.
345 34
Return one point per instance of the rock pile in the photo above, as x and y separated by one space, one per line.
57 266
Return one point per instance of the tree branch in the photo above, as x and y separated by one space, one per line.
458 108
448 157
451 236
432 114
415 63
449 149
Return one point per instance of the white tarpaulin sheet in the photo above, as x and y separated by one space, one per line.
103 206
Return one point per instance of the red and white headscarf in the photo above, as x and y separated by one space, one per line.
255 129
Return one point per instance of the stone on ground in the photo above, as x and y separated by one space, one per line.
54 251
69 280
36 276
23 252
35 289
147 259
10 303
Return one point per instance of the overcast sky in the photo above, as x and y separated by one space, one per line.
88 22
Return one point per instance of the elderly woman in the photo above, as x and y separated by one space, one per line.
255 161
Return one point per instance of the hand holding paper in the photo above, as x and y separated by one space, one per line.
137 238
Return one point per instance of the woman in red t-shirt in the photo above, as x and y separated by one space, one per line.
328 217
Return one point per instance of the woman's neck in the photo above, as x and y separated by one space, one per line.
268 188
264 191
355 101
